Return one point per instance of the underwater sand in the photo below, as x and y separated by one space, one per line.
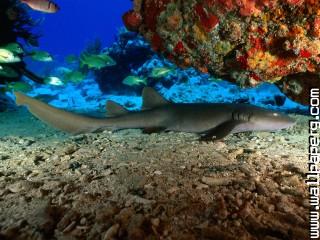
128 185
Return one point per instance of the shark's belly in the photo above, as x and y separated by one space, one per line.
191 127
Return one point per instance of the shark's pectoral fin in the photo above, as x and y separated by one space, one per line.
153 130
219 131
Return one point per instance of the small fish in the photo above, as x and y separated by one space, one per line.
62 70
134 80
55 81
15 48
7 56
12 14
96 61
214 79
6 71
107 58
41 56
45 6
71 59
18 86
74 76
160 72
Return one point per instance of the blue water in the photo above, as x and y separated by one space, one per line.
79 22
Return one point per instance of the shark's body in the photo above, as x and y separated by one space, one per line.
209 120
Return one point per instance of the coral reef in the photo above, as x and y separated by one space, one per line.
245 41
297 86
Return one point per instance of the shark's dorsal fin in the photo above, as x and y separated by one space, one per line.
114 109
151 98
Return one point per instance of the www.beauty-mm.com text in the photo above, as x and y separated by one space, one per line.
313 175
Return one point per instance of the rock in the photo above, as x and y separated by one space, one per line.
201 186
216 181
104 214
157 172
136 226
68 221
155 222
22 186
215 233
111 232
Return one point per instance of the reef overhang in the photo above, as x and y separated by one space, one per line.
244 41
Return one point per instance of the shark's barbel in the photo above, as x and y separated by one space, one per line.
210 120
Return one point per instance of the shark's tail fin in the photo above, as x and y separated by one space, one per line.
20 99
57 118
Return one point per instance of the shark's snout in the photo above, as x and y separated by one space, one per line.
271 121
288 122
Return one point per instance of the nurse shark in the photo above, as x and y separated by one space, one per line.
212 121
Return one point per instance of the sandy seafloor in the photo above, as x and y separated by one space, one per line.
129 185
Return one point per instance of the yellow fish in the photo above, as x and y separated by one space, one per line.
55 81
71 59
14 47
41 56
6 71
96 61
7 56
134 80
160 72
74 76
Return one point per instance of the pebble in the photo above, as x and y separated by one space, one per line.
135 227
220 145
4 157
173 190
261 189
21 186
111 232
215 181
52 185
157 172
68 221
201 186
70 227
138 200
70 149
26 142
292 181
155 222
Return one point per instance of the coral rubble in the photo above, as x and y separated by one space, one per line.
246 41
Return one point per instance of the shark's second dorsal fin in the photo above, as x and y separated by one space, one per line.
151 98
114 109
